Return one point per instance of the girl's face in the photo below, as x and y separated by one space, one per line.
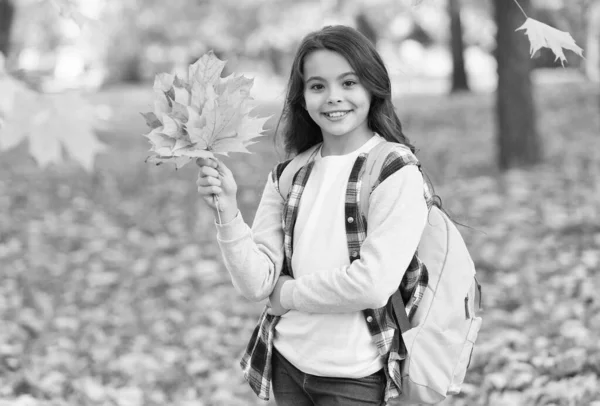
333 95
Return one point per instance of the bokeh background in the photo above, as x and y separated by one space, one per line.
112 287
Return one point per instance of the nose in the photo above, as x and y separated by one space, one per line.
334 95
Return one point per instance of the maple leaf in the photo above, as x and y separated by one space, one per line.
207 69
234 90
151 120
51 124
541 35
201 115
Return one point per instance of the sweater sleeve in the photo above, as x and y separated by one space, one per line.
397 215
254 257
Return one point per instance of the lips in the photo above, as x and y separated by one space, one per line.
336 114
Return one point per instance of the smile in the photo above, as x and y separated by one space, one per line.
337 114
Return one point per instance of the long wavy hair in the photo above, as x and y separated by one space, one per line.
299 132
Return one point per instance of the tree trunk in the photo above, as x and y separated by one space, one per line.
517 137
592 48
7 13
459 74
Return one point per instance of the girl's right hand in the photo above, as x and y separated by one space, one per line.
214 178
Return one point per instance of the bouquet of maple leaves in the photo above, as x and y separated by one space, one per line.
201 115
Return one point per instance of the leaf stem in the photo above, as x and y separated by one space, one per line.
521 8
216 199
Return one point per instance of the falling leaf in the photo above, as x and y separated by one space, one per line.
541 35
51 123
201 116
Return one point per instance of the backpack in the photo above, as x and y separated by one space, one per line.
439 338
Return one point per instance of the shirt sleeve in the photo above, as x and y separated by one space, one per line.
254 256
396 219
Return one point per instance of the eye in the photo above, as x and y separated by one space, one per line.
316 86
349 83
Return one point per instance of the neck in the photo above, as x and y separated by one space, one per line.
342 145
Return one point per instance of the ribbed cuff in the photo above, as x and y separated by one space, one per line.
233 230
287 295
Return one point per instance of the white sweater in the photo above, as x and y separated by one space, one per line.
324 333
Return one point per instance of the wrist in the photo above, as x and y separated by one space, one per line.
227 215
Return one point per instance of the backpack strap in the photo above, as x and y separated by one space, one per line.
286 179
373 167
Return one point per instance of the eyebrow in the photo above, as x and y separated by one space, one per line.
339 77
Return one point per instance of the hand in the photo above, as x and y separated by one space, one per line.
214 178
274 306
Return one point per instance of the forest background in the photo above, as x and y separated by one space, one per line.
112 288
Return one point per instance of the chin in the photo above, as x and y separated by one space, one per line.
337 131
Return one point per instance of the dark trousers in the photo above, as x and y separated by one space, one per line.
292 387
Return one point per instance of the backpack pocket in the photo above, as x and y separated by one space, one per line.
465 357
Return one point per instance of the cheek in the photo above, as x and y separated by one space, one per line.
312 102
366 98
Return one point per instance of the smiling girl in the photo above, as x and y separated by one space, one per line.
325 338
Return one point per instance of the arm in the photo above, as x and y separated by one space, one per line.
397 216
254 257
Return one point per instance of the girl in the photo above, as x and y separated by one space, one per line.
326 337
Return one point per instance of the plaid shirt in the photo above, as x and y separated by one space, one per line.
256 361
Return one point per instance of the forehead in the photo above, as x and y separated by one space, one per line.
326 64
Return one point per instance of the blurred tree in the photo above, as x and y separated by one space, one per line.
7 12
459 74
364 26
592 62
278 27
517 137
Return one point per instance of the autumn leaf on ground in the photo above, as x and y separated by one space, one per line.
51 124
201 115
541 35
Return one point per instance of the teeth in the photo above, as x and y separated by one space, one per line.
336 114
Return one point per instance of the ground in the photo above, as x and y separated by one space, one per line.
113 291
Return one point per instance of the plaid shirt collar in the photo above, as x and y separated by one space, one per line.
256 361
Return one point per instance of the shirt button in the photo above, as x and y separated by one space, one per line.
354 254
369 319
350 220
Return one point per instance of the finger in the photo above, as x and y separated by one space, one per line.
208 181
222 168
201 182
209 190
201 162
209 171
206 162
